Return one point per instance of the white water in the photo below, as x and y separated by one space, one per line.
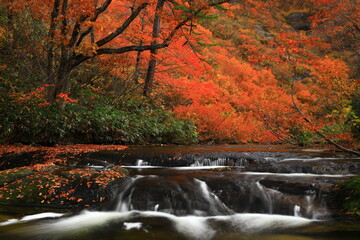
256 223
200 167
124 202
132 225
210 197
270 196
297 211
296 174
311 159
32 218
200 227
142 164
209 162
204 189
193 227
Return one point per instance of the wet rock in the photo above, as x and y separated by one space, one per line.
93 163
276 162
250 198
58 186
291 187
9 161
299 21
275 167
9 176
185 159
179 196
345 167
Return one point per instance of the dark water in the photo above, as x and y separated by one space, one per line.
202 192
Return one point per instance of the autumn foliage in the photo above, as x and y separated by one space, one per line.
238 70
54 182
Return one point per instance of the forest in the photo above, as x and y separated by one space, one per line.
180 119
180 71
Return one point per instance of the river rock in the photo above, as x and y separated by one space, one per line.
298 188
179 196
58 186
8 161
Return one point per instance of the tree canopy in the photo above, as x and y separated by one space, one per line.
213 70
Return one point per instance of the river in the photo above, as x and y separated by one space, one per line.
205 192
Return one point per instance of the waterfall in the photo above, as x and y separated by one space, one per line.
266 194
215 204
270 196
297 211
141 163
156 193
124 197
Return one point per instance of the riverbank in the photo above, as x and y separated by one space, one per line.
53 176
81 176
230 191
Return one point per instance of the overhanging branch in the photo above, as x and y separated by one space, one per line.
318 132
130 49
102 51
98 11
123 27
78 59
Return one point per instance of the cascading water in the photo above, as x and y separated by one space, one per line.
269 195
124 198
184 196
297 211
219 162
236 196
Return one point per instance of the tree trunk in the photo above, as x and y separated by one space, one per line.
60 82
152 64
10 26
138 56
137 66
50 77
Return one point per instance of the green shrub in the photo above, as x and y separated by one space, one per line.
355 128
347 196
302 137
31 122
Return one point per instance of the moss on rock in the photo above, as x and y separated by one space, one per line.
58 186
9 176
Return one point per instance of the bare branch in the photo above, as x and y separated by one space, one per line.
318 132
76 31
98 11
130 49
123 27
81 58
186 20
76 60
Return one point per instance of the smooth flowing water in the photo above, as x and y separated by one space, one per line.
202 192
